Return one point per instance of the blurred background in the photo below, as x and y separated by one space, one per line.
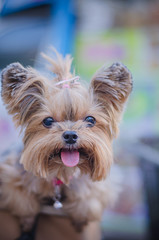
97 32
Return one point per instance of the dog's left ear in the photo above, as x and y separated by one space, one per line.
111 88
22 92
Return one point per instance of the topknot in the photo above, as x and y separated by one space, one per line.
61 66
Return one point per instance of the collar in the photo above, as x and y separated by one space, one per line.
58 198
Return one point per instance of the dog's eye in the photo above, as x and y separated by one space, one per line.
47 122
91 121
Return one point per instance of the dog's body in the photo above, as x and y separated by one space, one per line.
68 133
25 195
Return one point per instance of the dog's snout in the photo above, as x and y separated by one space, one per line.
70 137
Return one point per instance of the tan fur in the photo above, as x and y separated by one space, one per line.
30 98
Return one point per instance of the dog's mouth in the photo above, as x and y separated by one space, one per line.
70 157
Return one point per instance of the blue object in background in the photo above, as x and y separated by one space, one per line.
62 19
11 6
63 25
25 34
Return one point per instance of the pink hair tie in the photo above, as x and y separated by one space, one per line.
65 82
65 86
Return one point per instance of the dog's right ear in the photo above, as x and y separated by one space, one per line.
111 87
22 92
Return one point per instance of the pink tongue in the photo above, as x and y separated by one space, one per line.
70 158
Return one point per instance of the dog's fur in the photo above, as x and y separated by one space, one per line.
26 178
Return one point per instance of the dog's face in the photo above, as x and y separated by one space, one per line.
67 126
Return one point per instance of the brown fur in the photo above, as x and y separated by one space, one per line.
30 98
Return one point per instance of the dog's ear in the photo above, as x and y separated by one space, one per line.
111 88
22 92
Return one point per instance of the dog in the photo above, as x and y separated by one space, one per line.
68 129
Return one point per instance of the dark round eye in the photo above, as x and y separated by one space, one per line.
91 121
47 122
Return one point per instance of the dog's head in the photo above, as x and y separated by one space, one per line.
66 125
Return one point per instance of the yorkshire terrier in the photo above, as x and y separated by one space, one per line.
68 130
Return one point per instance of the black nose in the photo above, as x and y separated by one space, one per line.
70 137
